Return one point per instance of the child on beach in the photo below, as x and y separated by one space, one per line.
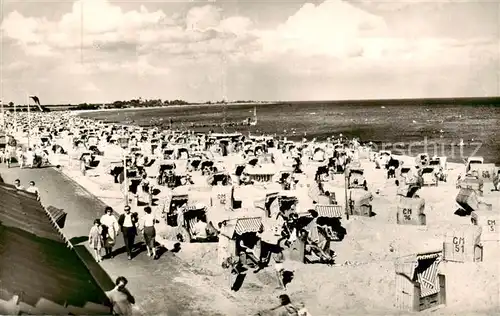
95 239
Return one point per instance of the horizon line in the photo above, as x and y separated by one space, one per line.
218 102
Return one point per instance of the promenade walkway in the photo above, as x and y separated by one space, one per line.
162 287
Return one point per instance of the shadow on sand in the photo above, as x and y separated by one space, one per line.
462 213
140 247
78 240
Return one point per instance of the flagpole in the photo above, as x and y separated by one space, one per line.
15 118
125 178
3 117
29 119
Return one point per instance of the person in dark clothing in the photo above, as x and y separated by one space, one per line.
128 226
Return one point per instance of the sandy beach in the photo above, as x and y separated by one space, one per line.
368 184
362 280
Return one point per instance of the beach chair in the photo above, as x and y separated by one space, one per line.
88 162
359 202
188 219
283 204
467 199
429 176
233 230
329 229
285 178
222 178
471 162
356 178
422 159
171 205
411 211
261 175
419 282
472 182
382 159
440 167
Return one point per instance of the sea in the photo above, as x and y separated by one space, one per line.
405 127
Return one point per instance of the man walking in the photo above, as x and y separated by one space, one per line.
128 226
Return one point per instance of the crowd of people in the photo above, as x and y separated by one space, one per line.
105 230
103 234
280 227
29 157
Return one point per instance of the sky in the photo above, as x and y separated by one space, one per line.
103 50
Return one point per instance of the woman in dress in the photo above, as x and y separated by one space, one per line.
95 239
146 188
20 157
111 231
30 158
148 231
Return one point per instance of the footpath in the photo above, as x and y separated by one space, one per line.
165 286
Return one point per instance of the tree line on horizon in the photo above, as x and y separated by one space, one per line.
134 103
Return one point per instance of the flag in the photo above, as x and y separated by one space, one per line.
35 99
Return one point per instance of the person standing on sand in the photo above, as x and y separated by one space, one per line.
30 158
20 157
148 231
128 222
10 150
109 221
121 299
95 239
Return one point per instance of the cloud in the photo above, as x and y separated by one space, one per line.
203 18
16 66
332 28
89 87
195 47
